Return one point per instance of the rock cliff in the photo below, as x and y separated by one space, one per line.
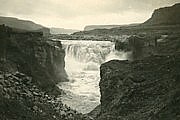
165 16
162 20
146 89
148 44
34 55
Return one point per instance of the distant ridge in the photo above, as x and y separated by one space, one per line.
165 16
23 24
92 27
62 31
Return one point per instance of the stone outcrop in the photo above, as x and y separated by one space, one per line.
140 46
34 55
145 89
150 44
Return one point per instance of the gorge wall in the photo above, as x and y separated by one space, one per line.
34 55
141 90
144 89
139 46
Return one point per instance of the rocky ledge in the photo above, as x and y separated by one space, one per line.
145 89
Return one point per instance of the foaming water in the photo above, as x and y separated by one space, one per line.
82 63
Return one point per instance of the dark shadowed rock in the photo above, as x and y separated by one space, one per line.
141 90
32 54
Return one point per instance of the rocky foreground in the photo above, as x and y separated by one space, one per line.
20 99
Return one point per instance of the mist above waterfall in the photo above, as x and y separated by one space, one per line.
82 63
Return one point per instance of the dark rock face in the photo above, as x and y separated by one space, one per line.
165 16
122 46
146 89
139 46
143 46
34 55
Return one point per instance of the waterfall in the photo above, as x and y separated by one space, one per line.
82 63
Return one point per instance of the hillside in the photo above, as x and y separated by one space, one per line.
22 24
165 16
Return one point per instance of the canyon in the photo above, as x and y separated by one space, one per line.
131 75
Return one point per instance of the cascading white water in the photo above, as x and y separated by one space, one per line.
82 63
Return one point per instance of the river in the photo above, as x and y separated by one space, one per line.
82 64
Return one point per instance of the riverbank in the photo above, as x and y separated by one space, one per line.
21 99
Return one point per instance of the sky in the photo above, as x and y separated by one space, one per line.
76 14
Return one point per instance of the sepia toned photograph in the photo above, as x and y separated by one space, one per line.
90 60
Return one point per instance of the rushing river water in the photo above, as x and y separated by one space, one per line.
82 63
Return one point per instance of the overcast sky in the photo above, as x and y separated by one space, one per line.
78 13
